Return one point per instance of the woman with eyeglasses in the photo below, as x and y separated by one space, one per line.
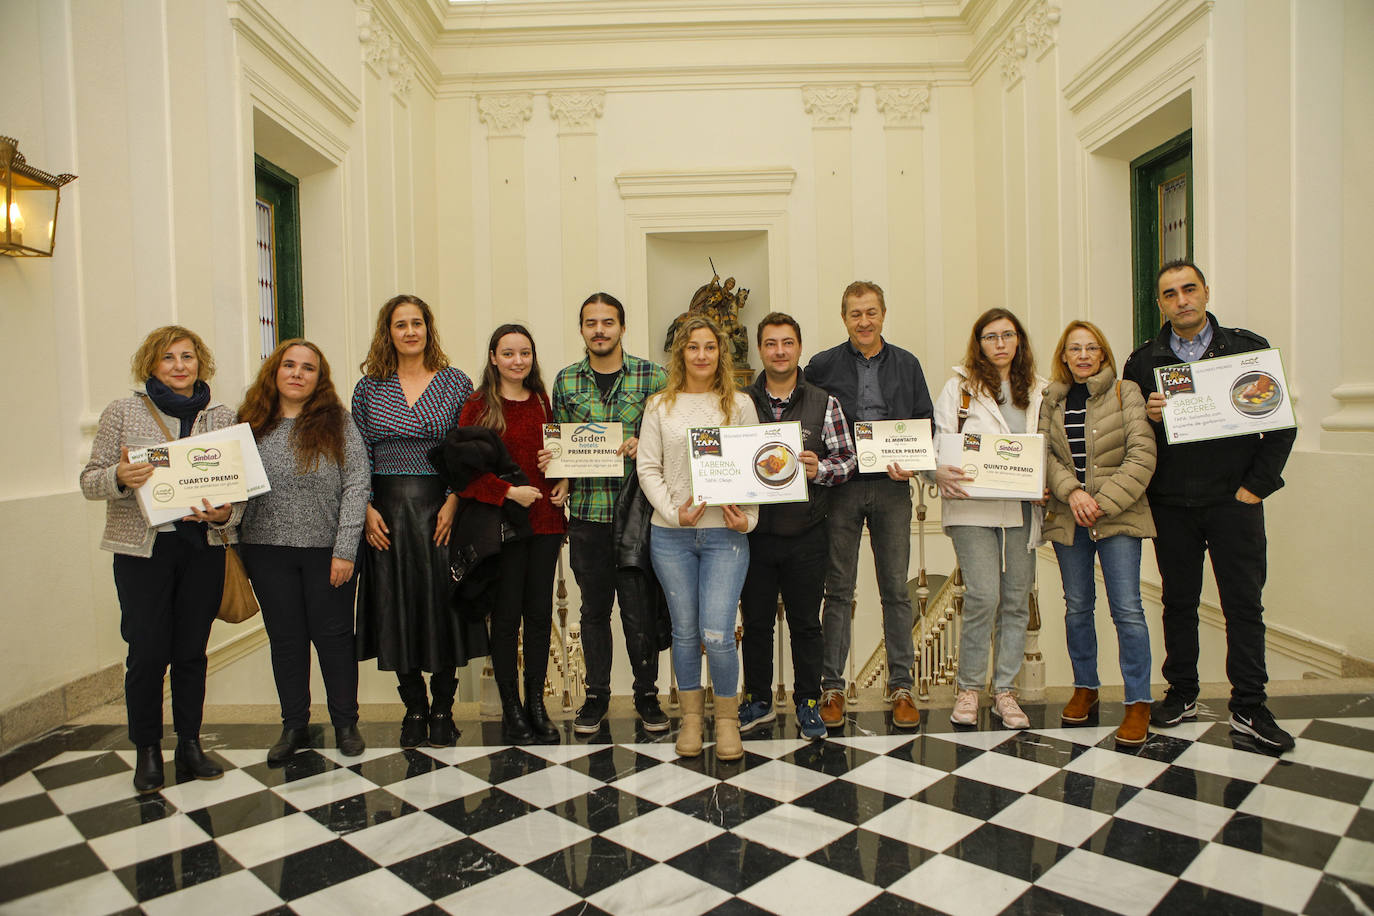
997 391
1101 458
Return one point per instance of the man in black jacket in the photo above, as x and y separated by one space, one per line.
1207 497
873 380
789 549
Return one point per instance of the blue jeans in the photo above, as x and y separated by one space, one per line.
998 574
702 571
1120 557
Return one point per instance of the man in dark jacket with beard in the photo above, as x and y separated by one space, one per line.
1207 497
789 549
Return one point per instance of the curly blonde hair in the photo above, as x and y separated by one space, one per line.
158 341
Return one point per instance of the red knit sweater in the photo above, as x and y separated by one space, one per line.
524 437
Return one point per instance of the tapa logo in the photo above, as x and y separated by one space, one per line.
1006 448
204 459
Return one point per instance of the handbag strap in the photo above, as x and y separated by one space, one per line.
157 417
964 400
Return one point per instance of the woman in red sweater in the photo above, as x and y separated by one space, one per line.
511 400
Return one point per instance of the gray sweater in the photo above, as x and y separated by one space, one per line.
324 508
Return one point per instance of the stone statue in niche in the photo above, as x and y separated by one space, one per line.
723 304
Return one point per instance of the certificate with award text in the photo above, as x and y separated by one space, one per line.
584 450
908 443
746 465
1000 465
1228 396
186 473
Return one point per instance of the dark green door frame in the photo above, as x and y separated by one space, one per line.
280 190
1164 163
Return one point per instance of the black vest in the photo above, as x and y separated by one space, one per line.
807 406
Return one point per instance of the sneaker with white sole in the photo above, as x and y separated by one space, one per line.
1173 709
1005 707
809 719
965 708
1259 724
754 713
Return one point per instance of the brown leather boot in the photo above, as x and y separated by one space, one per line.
1135 727
1080 706
728 743
832 708
689 732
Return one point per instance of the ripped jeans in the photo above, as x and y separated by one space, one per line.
702 571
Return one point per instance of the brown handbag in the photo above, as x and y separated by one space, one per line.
238 602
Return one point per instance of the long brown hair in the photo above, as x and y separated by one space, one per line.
983 375
493 414
1060 370
381 356
724 382
319 429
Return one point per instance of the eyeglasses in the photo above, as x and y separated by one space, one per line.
993 338
1090 349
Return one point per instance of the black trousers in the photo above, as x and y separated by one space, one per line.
1233 533
591 549
524 594
795 566
167 604
300 607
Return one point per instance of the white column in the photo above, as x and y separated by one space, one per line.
831 107
505 115
576 112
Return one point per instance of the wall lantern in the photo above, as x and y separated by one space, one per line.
30 204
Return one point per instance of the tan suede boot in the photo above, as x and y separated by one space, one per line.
728 744
1135 727
689 732
1081 705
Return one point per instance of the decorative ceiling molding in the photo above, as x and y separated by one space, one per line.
706 182
902 104
831 106
389 49
505 113
257 26
576 110
1035 32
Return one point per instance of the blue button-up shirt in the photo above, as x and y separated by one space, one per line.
1190 351
872 406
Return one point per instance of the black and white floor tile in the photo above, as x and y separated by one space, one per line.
1051 820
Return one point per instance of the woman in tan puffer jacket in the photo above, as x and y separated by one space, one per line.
1101 455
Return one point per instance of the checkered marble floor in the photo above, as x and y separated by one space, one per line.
1049 820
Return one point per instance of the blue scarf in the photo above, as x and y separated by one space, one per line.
174 405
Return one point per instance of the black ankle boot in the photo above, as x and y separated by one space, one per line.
415 727
442 730
191 761
349 741
545 732
291 740
515 728
148 768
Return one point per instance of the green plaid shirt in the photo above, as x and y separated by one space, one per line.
576 399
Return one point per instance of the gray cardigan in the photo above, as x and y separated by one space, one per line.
322 508
127 422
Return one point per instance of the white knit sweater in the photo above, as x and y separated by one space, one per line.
664 474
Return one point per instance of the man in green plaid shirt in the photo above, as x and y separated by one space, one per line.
609 385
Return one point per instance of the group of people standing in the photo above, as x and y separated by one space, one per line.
372 517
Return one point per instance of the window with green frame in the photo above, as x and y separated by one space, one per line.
278 233
1161 223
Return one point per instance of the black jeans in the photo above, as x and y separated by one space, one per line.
794 565
167 604
524 593
1233 533
591 548
300 607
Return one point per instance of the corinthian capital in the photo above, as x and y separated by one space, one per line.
830 106
576 111
505 113
902 104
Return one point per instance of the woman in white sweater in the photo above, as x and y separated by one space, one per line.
700 553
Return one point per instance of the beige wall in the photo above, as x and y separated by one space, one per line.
443 153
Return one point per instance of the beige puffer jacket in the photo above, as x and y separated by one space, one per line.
1121 459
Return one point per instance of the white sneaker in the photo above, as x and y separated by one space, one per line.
965 708
1005 707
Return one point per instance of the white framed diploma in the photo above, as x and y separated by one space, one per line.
584 449
908 443
222 466
747 465
1001 465
1227 396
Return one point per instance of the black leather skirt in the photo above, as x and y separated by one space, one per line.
406 618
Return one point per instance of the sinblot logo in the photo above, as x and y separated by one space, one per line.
204 459
1006 448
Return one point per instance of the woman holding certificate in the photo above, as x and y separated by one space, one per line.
512 403
995 391
408 398
1101 459
700 553
169 578
300 539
